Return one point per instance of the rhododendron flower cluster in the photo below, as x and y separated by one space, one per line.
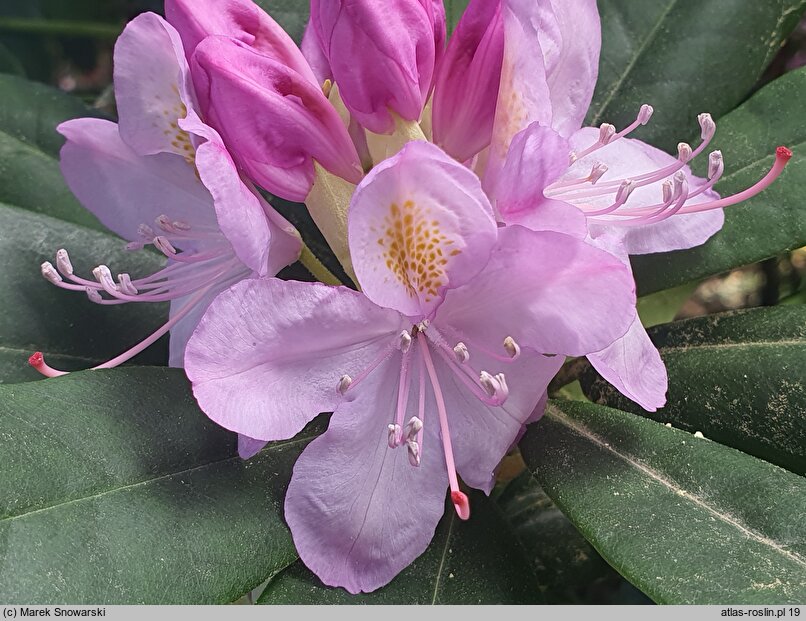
486 231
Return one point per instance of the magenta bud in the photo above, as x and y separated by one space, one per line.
381 54
468 81
239 19
274 121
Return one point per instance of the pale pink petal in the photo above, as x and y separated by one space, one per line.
274 122
153 89
546 290
537 157
419 224
262 245
535 416
627 158
268 355
523 96
125 190
249 447
468 80
482 434
570 38
359 512
633 365
239 19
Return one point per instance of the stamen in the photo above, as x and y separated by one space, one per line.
495 385
512 347
405 341
50 273
37 361
412 428
461 352
395 435
414 452
460 501
344 383
63 262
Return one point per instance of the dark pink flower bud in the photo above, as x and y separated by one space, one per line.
274 121
467 82
240 19
381 54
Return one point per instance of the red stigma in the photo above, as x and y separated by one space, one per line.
461 503
36 359
783 153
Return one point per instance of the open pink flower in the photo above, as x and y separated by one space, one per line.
431 370
546 172
164 178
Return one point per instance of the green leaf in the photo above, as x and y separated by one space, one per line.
686 520
737 377
73 332
684 58
568 569
663 306
765 226
117 489
292 15
29 145
10 63
453 12
473 562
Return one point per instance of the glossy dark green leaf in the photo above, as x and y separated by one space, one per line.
453 12
473 562
567 567
739 378
684 58
767 225
9 63
117 489
71 330
292 15
686 520
29 146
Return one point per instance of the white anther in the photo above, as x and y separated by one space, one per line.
164 222
395 436
146 232
707 125
125 283
134 246
683 151
715 164
597 171
93 295
344 384
572 157
512 347
405 341
50 273
667 188
163 245
624 191
63 262
181 225
461 352
680 184
414 452
645 113
494 385
606 133
412 428
423 325
104 276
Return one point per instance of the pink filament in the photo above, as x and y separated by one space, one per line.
37 360
459 499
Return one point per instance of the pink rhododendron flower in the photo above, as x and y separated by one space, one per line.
545 171
164 178
381 54
431 370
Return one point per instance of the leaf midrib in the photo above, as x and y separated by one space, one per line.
558 416
724 346
130 486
